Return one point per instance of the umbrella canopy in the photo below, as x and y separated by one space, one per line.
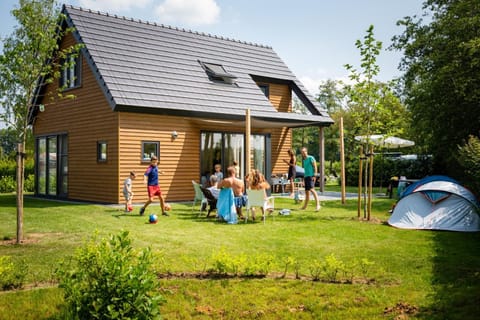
385 141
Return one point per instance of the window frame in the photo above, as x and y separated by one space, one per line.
143 158
69 70
265 89
100 157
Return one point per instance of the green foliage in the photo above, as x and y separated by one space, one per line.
7 184
108 279
469 159
441 83
12 275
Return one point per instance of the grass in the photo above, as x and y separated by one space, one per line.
415 274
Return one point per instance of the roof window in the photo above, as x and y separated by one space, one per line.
217 73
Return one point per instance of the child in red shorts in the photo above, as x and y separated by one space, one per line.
150 178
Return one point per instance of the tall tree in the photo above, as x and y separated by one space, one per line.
441 81
30 56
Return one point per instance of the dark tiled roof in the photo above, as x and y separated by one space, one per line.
156 68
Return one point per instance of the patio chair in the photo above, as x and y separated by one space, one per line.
257 198
198 197
212 202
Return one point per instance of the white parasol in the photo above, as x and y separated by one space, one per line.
385 141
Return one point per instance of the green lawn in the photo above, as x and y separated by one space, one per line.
414 275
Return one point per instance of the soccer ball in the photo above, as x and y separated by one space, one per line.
167 207
130 208
153 218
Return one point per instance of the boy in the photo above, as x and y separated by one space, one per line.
127 191
150 178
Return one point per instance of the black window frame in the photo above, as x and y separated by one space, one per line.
157 151
265 89
65 80
100 157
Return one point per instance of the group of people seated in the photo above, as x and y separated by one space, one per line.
230 193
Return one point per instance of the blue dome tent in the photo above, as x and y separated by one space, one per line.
437 203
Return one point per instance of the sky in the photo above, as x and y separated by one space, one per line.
315 38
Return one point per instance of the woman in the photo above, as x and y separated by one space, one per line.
257 181
291 170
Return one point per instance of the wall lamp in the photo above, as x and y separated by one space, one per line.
174 134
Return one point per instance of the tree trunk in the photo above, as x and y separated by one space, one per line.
20 182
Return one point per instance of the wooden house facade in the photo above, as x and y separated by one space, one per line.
141 89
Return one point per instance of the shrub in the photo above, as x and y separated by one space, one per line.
12 275
469 159
7 184
108 279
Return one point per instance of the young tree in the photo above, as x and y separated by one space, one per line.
30 59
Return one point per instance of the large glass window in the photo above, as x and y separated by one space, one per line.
42 165
52 165
225 148
257 152
234 151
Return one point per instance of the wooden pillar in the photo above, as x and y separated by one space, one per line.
360 173
247 141
342 162
321 157
370 184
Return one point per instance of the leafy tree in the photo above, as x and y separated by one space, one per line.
441 81
30 58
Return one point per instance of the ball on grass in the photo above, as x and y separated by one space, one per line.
153 218
167 207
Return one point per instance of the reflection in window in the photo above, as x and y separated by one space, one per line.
102 151
70 75
149 149
52 166
42 165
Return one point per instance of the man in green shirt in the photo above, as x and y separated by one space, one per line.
310 167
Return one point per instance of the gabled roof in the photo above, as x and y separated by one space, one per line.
148 67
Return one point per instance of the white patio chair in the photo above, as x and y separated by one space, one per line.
257 198
199 196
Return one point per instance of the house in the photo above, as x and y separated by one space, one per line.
144 88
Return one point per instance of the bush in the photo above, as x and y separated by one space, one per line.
469 159
12 275
7 184
108 279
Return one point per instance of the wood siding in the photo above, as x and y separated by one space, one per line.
280 96
86 119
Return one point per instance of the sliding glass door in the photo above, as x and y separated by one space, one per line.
51 165
225 148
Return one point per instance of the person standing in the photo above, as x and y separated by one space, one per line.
127 191
310 167
150 178
292 172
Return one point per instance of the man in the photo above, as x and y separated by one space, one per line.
150 178
238 188
310 167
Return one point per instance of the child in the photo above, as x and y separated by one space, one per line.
150 178
218 172
127 191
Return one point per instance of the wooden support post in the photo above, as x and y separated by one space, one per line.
370 184
360 173
342 161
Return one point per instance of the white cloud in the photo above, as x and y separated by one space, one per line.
189 12
312 84
113 5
